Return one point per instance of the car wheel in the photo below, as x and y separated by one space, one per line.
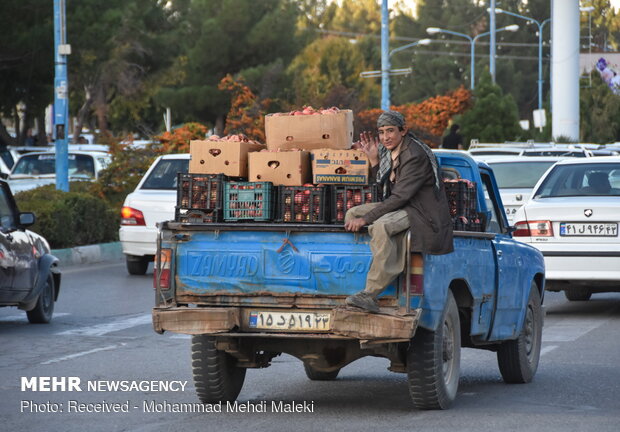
434 361
216 375
137 265
316 375
577 294
518 359
44 309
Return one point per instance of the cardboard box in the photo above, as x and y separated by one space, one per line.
287 168
339 167
221 157
309 132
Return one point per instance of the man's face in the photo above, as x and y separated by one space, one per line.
391 136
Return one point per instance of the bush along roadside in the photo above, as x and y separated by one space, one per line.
69 219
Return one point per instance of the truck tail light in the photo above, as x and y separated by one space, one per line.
533 229
416 275
161 273
131 216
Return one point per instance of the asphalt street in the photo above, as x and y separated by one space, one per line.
101 333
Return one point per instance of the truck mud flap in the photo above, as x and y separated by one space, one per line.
363 325
195 320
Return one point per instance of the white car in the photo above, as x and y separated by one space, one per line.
152 201
572 218
39 168
516 176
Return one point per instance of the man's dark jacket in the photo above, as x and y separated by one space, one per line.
414 191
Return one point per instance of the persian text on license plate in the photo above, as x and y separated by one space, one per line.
601 229
290 321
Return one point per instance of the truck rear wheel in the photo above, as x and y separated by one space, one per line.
316 375
518 359
434 361
216 376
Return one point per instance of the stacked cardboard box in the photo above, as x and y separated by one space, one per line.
309 132
221 157
339 167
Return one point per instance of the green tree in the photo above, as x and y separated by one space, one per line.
599 112
122 54
493 117
228 37
327 66
26 66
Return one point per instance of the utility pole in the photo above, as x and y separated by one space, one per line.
61 96
492 43
385 57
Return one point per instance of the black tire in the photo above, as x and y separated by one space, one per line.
577 294
137 265
518 359
216 376
44 309
316 375
434 361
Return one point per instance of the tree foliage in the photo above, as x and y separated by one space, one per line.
493 116
599 113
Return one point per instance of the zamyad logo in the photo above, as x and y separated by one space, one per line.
286 261
588 212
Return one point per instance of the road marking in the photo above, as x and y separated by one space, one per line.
22 317
81 354
180 336
547 349
110 327
90 268
570 329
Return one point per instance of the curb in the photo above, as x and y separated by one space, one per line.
89 254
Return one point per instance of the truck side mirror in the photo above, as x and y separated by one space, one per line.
26 219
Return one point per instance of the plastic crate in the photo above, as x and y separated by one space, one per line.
463 224
302 204
248 201
199 197
462 198
198 216
342 198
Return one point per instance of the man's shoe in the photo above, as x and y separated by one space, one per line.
364 301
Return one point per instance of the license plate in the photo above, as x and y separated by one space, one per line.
290 321
600 229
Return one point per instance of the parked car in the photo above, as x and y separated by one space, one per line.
29 274
152 201
39 168
572 218
516 177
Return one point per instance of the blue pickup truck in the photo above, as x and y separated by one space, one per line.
248 292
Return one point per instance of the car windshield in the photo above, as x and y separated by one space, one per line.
601 179
45 164
519 174
164 175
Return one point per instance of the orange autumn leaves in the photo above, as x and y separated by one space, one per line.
247 112
429 118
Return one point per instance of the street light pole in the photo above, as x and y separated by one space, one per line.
435 30
472 48
61 96
385 58
540 44
510 28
